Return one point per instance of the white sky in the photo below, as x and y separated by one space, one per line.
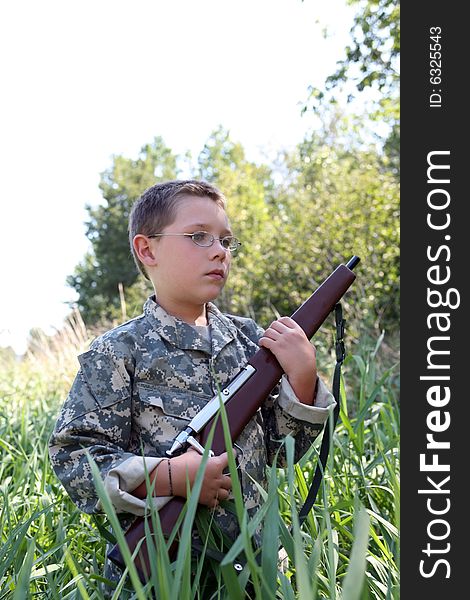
84 80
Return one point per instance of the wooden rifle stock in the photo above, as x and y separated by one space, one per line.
242 406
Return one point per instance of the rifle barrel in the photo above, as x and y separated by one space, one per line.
352 262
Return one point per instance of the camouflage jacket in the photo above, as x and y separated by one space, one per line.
140 384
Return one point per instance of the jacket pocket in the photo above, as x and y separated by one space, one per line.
179 404
161 413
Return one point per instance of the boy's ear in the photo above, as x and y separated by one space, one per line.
144 250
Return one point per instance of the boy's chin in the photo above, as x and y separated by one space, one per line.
213 295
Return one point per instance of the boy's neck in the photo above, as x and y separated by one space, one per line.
192 315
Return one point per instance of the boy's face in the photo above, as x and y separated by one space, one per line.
187 275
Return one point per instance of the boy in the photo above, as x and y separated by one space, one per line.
140 383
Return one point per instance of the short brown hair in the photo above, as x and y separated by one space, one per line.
156 207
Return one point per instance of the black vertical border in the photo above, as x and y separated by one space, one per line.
426 129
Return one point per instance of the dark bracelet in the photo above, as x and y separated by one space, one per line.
169 478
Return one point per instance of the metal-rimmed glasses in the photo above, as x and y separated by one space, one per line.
206 239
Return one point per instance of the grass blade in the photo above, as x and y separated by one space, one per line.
354 580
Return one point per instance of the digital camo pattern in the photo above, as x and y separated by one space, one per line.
140 384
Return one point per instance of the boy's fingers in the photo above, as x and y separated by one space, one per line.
272 333
288 322
279 326
224 458
223 494
226 483
266 343
284 323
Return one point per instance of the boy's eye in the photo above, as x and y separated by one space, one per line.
202 237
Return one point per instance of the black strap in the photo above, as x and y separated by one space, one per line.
329 427
217 555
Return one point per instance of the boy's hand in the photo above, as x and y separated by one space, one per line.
215 486
296 355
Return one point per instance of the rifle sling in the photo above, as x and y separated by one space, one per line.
330 426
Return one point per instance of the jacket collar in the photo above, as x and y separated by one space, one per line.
186 337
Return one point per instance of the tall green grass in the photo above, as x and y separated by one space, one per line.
347 548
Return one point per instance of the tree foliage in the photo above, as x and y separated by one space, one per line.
344 202
109 261
336 204
372 57
371 62
249 190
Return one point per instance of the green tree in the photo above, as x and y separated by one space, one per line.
109 262
371 62
335 201
345 202
372 57
252 211
7 356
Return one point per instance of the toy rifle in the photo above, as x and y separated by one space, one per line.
242 397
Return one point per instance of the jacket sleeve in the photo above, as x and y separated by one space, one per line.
283 414
95 420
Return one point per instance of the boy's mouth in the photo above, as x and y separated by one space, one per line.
216 274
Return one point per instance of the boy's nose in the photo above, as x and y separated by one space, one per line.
218 248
